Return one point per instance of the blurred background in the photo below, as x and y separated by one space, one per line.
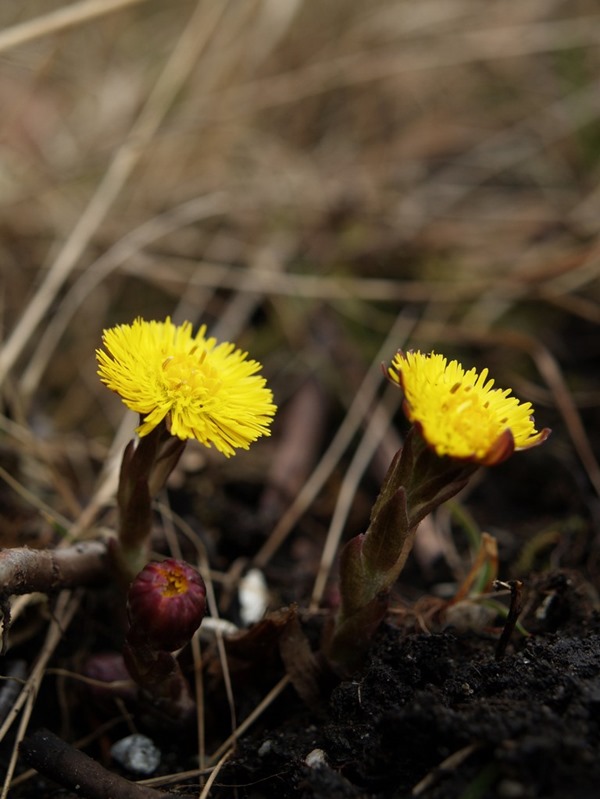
321 183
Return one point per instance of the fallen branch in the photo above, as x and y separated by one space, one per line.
24 570
76 771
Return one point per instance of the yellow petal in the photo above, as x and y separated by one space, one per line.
205 390
459 413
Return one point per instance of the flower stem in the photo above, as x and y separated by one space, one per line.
417 482
165 606
145 468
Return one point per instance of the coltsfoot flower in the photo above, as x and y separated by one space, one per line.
200 388
459 413
166 604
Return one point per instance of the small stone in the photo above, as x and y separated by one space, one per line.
316 758
137 754
265 748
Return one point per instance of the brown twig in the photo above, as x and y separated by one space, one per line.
24 570
75 770
516 605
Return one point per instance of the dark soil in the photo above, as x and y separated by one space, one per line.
437 715
434 712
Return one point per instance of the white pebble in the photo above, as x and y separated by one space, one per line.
316 758
265 748
253 596
137 754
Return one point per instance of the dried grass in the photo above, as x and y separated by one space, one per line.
300 176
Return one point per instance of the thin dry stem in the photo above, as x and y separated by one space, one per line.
34 500
204 568
271 282
453 50
66 606
214 773
354 417
378 424
251 718
549 369
60 20
200 706
447 765
183 58
148 233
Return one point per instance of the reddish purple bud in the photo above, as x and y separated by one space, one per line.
165 605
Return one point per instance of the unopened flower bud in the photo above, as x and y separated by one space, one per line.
166 604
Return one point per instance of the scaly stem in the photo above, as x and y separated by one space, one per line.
145 468
417 482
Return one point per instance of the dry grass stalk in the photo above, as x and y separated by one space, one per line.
282 162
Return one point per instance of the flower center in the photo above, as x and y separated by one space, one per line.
176 583
471 418
186 375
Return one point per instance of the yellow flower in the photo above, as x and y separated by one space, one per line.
459 413
200 388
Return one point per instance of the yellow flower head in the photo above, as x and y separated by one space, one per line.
460 414
202 389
